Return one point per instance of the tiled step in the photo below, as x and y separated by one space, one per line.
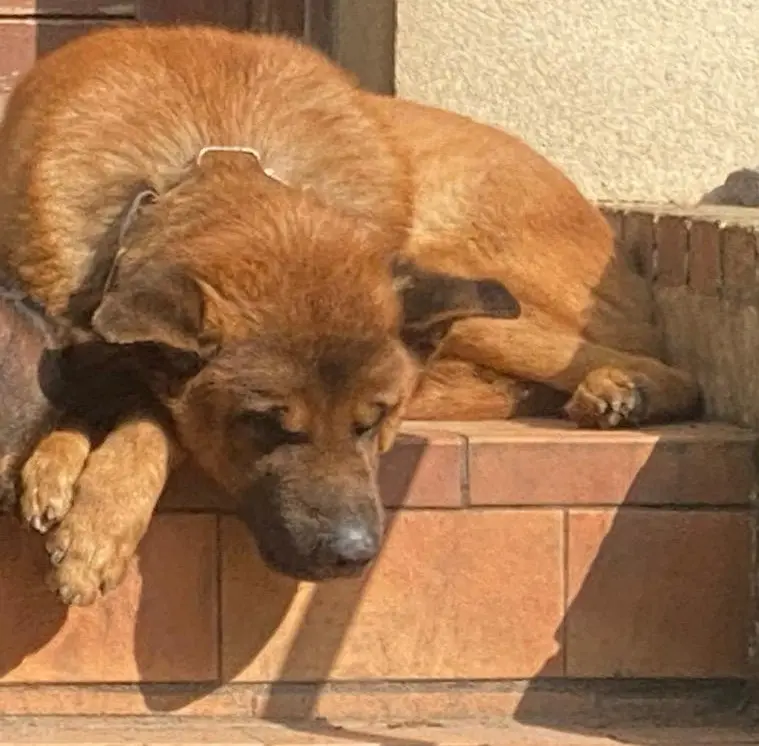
517 553
152 732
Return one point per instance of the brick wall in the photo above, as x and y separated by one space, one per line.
703 265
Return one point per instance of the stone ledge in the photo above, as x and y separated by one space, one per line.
543 462
559 703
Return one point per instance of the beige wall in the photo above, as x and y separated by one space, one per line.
638 100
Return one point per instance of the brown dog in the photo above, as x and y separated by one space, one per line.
292 251
48 369
30 384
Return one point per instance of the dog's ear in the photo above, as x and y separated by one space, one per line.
433 301
157 306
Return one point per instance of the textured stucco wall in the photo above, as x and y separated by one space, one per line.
652 100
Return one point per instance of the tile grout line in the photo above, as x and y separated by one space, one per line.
564 590
464 477
219 602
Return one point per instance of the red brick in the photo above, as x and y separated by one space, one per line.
554 464
639 240
615 219
671 234
160 625
656 593
704 257
455 595
739 258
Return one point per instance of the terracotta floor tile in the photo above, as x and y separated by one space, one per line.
190 489
424 469
160 625
473 594
658 593
548 463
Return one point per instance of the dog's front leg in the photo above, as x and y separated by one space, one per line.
50 474
114 499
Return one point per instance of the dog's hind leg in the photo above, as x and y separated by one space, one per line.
114 501
453 389
608 387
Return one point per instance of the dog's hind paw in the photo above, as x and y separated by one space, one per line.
607 398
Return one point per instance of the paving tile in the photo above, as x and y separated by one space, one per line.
455 594
190 489
159 625
549 463
424 469
657 593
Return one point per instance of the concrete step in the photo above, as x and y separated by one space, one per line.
184 732
526 565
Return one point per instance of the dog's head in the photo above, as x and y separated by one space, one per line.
287 370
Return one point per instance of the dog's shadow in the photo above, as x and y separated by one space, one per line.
657 601
30 615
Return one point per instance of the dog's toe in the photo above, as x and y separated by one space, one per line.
607 398
85 564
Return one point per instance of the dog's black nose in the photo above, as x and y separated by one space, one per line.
355 544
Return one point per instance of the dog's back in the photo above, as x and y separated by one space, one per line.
488 204
121 110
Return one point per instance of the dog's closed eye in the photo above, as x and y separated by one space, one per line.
367 426
269 423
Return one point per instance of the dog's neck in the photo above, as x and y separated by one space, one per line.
84 302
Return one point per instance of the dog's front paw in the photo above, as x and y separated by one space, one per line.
86 562
608 397
49 477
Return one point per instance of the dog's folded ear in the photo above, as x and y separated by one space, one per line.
433 301
159 306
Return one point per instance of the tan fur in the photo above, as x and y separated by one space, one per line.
50 475
284 337
91 547
485 204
